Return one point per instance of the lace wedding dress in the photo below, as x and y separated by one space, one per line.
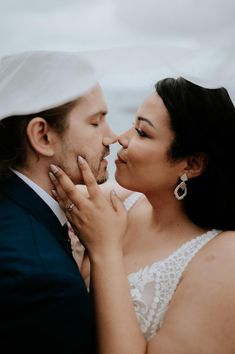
153 286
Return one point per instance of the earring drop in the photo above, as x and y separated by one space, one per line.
181 190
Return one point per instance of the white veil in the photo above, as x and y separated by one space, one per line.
190 38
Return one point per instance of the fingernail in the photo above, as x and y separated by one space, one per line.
54 169
54 193
52 177
81 160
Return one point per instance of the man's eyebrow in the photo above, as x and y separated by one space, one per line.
145 120
100 113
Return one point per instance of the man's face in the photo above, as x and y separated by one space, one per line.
89 135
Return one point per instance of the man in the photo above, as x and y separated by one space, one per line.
51 111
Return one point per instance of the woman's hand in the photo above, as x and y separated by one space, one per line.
101 224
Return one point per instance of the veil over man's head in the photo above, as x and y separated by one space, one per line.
35 81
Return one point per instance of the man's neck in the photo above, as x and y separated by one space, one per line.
39 177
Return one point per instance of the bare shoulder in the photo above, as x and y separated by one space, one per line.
106 189
221 249
216 260
226 238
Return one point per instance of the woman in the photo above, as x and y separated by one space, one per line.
176 243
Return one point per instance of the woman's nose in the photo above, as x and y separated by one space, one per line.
123 139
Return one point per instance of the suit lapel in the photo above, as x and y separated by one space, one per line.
18 191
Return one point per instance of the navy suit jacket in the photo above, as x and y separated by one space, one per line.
43 298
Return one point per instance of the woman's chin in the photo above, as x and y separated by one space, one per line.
118 176
122 180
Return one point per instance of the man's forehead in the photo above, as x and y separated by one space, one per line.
94 101
90 107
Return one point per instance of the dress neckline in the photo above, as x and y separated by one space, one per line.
210 234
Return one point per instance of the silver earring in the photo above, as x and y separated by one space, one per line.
181 190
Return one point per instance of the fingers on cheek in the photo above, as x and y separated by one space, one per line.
89 181
55 194
53 178
60 192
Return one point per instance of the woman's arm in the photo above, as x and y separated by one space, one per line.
117 326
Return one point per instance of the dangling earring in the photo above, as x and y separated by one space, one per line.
181 190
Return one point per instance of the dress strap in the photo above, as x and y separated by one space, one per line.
131 200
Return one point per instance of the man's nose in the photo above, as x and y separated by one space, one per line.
110 137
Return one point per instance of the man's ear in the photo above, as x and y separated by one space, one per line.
196 164
40 136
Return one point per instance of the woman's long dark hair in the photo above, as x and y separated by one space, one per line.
203 121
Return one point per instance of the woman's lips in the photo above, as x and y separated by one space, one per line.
120 159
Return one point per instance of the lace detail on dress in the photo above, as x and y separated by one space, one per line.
153 286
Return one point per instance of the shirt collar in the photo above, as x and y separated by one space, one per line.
52 203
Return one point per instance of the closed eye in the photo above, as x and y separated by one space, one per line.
95 124
140 132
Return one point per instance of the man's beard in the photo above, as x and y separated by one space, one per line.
100 173
99 177
101 180
104 177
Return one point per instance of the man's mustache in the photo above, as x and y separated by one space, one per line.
105 153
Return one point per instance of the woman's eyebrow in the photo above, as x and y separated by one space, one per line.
145 120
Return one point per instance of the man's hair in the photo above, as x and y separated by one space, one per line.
13 138
203 121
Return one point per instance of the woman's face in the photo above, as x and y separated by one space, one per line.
143 164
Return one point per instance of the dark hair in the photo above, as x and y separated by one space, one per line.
13 137
203 121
